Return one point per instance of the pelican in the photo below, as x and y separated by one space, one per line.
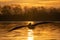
30 26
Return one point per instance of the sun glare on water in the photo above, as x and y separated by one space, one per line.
30 35
30 22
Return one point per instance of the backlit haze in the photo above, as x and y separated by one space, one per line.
45 3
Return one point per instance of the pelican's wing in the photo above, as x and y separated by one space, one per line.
41 23
18 27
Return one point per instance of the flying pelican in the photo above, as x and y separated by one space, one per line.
30 26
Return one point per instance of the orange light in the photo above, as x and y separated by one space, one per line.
30 35
30 22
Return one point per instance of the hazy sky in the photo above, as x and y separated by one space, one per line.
27 0
32 2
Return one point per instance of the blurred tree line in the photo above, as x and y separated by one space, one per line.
17 13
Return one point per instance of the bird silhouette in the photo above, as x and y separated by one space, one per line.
30 26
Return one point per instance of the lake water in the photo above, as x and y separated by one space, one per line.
50 31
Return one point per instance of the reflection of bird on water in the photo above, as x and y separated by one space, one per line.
30 26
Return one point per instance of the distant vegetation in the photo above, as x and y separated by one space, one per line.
9 13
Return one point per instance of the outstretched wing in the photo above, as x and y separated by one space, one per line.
41 23
18 27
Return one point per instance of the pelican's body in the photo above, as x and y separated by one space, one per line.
30 26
